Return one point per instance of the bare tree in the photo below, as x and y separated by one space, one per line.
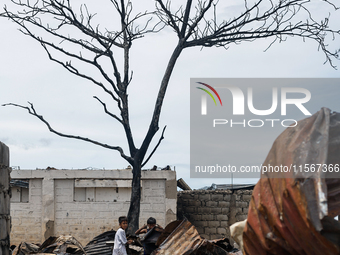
73 38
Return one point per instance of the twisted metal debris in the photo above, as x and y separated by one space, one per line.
293 214
181 237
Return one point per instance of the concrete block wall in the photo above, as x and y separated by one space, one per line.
153 205
86 203
85 220
26 217
213 211
5 194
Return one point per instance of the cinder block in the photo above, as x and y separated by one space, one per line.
16 221
36 191
201 223
238 210
244 204
62 229
224 223
222 217
214 224
34 230
208 217
241 217
211 203
187 196
205 197
198 203
75 214
206 210
246 197
158 208
90 214
223 204
18 229
159 199
73 221
99 206
246 192
225 210
199 210
191 202
35 183
196 217
105 215
86 222
227 198
64 198
209 231
78 228
216 210
35 200
16 237
217 197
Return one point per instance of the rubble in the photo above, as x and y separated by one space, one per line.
62 245
25 248
294 214
181 237
183 185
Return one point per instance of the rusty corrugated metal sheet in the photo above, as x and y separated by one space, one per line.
294 214
62 245
25 248
98 244
181 237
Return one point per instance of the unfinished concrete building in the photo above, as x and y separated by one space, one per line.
84 203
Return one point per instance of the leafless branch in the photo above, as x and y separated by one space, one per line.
107 111
153 151
278 20
31 110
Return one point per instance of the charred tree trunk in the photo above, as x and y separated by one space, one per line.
134 209
5 194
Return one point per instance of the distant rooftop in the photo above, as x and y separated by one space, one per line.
228 186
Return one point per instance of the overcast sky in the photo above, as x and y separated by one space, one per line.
67 102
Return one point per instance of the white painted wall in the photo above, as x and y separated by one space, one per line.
85 203
26 217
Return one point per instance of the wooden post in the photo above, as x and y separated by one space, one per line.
5 195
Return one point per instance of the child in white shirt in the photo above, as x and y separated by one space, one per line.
120 237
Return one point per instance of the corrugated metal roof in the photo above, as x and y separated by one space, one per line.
98 244
19 183
228 186
181 237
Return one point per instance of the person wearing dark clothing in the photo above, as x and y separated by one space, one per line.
153 231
